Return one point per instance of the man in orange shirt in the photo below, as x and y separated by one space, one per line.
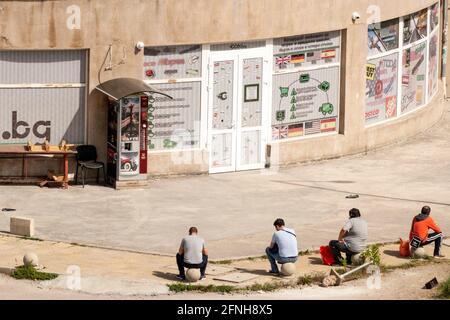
420 227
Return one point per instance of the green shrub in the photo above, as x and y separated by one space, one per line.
372 254
30 273
444 289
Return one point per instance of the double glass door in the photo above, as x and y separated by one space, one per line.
237 111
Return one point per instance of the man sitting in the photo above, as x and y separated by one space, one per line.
352 238
421 225
283 247
192 254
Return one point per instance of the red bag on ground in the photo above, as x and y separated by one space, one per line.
404 248
327 255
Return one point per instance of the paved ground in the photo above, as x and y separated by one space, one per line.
113 274
235 211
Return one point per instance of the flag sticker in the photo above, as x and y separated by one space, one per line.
283 60
328 54
279 132
298 58
312 127
328 125
295 130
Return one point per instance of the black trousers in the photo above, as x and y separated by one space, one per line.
338 247
435 237
181 265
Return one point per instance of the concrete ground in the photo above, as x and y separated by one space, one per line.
235 211
94 273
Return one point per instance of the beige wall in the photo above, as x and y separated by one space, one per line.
42 25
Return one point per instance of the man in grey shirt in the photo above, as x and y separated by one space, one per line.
192 254
352 237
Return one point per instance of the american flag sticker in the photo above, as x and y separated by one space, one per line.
328 125
295 130
279 132
312 127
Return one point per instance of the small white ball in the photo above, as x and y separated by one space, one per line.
193 275
31 259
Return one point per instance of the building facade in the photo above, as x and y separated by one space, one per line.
255 83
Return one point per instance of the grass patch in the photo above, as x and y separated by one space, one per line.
222 262
444 290
413 263
310 279
268 286
181 287
303 253
30 273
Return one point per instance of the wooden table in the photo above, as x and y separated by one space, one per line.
24 152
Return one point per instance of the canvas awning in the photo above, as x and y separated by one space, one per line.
123 87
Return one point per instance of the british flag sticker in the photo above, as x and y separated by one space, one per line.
279 132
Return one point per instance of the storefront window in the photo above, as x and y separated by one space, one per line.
306 85
176 62
383 78
413 77
306 51
434 16
175 123
383 37
381 88
433 66
415 27
176 70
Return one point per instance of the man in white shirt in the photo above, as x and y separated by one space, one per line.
192 254
283 247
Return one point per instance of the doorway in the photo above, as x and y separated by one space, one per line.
238 109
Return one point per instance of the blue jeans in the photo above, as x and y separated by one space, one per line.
274 257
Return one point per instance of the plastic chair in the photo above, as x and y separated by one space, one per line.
87 160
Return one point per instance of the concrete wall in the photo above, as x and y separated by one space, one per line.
42 25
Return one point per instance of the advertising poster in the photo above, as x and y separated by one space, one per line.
174 62
383 37
415 27
305 103
306 50
129 135
129 163
434 16
381 89
174 123
413 77
130 119
433 66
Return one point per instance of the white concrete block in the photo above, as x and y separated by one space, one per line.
288 269
22 226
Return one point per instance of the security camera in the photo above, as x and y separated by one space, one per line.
140 45
355 16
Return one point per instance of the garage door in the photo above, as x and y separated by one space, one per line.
43 96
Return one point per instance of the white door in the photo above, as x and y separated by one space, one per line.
237 110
